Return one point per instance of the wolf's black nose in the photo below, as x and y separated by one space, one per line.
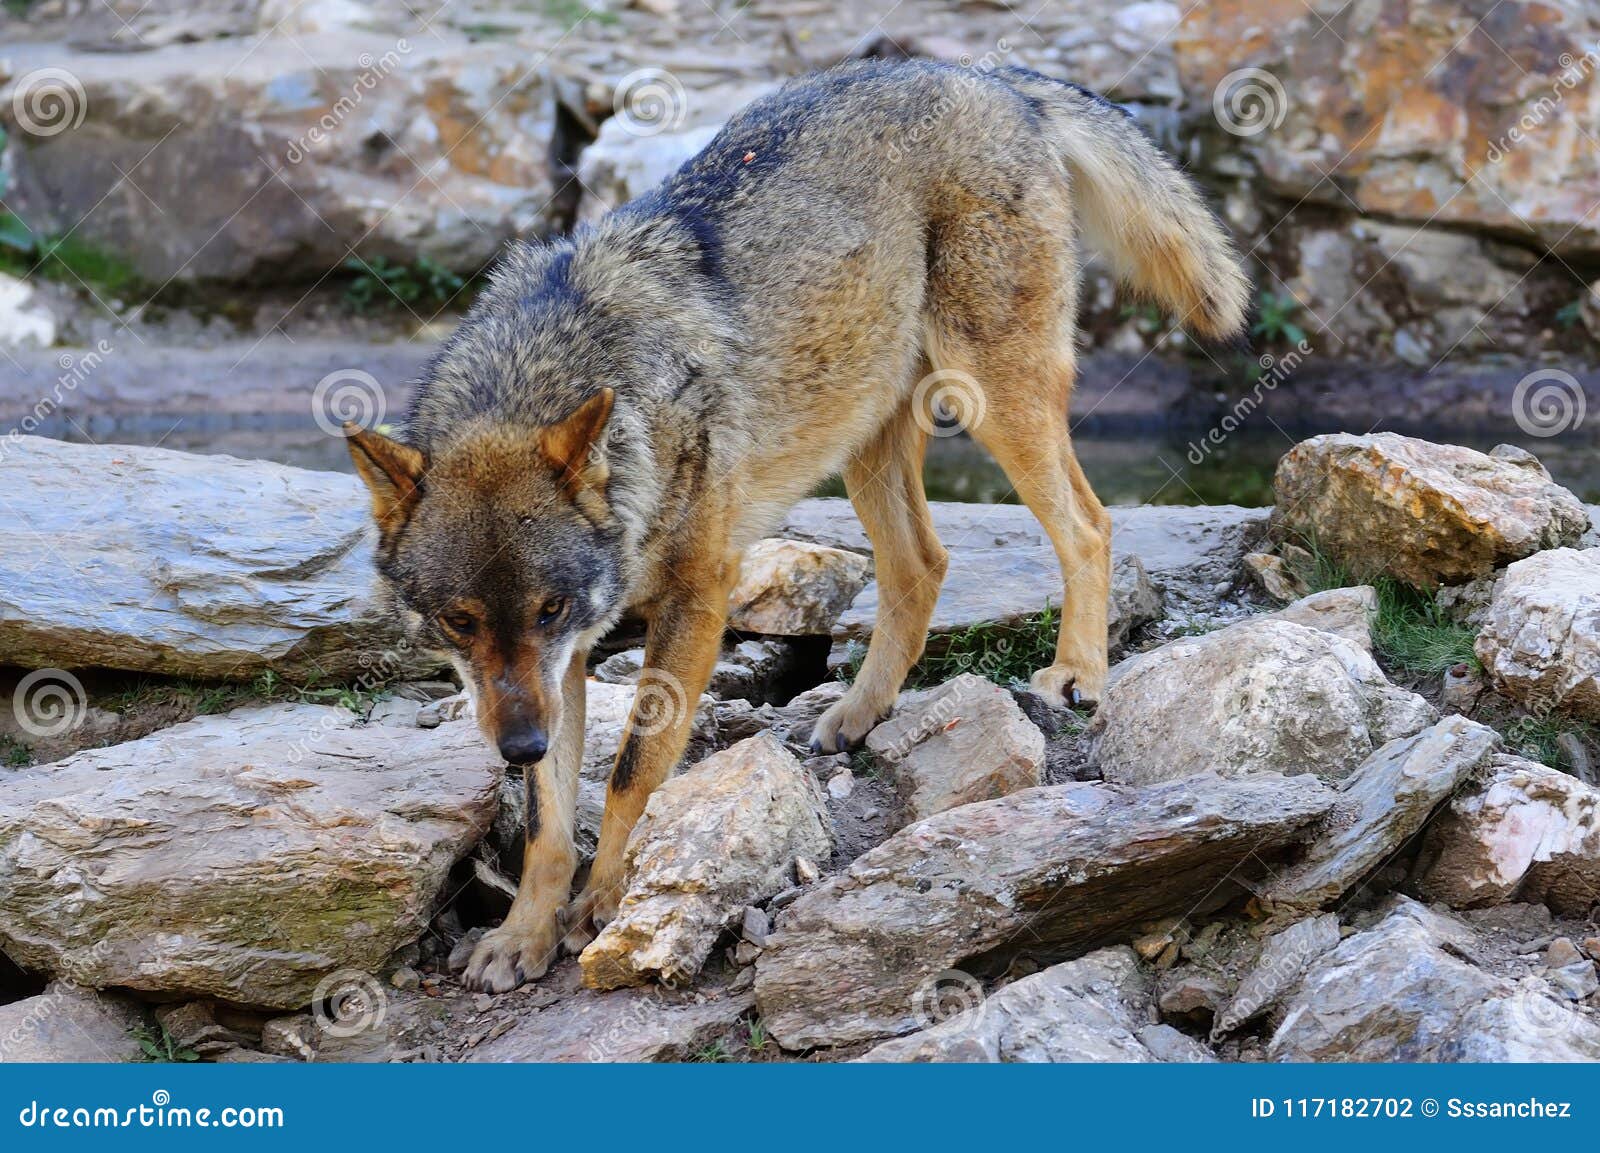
524 747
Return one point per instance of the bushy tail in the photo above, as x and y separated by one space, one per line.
1144 215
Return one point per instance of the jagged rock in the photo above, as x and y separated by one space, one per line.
1091 1009
1473 146
243 857
1274 576
1262 695
276 162
1003 568
1135 600
1345 612
965 741
1386 801
720 836
794 588
1524 832
68 1023
1427 514
1540 642
1072 865
747 670
621 1026
1402 991
201 566
1283 960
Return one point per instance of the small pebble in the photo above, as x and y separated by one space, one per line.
405 978
841 785
1561 953
806 871
757 925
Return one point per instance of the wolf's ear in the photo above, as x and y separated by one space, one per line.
570 444
393 472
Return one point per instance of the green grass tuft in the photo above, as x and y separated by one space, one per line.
378 282
1413 633
1003 653
159 1045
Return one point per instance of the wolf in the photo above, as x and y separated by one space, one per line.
624 410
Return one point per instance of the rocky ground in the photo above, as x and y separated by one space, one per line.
1339 801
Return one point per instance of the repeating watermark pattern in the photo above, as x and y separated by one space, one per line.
1575 71
1539 1014
48 102
1274 371
374 70
75 369
347 394
660 701
377 670
926 125
1548 402
945 995
49 703
650 101
948 402
349 1002
1249 101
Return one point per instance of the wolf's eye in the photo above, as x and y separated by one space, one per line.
551 609
458 625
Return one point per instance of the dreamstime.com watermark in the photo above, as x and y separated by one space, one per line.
48 102
951 100
1548 402
1249 101
1274 371
158 1113
374 71
1574 72
75 369
650 101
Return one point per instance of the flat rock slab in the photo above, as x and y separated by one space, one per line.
1054 871
1345 612
202 566
1524 831
1263 695
624 1025
1381 806
965 741
1002 567
1404 990
66 1023
1427 514
1283 960
714 839
1096 1008
243 857
1540 641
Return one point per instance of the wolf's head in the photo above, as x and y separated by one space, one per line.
502 550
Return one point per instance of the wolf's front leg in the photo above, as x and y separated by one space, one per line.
522 948
681 646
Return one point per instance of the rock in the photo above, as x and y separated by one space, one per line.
718 837
621 165
965 741
1075 865
1274 576
244 857
67 1023
1283 960
1003 568
199 566
794 588
1575 982
1135 600
622 1026
1091 1009
193 1026
1426 514
1382 805
841 785
290 1036
1561 953
1461 688
1262 695
1524 832
273 164
1403 991
747 670
23 320
1540 642
1192 996
1473 146
1345 612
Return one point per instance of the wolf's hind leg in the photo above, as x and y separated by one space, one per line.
522 948
1023 425
884 481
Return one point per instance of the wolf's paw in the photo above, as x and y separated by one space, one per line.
1063 685
846 723
590 911
510 955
